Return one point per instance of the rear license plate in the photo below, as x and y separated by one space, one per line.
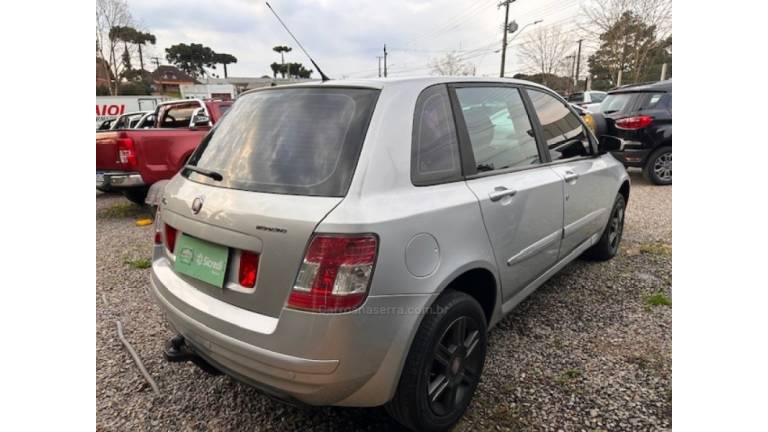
201 259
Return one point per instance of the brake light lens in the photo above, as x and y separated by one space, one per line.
249 268
335 273
126 152
635 122
170 237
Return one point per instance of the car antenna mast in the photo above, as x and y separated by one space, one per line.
322 75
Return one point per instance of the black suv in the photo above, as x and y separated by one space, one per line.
641 117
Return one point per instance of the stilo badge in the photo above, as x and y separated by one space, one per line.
197 205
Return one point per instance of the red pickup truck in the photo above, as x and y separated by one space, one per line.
131 160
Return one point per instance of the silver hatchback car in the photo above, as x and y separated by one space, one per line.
350 243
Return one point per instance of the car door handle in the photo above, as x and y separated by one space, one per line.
570 176
500 192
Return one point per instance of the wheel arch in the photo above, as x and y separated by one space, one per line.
624 190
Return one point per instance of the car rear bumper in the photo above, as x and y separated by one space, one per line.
347 359
118 179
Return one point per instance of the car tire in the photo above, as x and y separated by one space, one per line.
608 245
658 168
136 195
440 374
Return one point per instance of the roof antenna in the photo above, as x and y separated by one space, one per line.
322 75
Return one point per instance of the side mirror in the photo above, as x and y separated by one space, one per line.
608 143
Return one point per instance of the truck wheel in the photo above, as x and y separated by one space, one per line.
608 245
443 366
658 168
136 195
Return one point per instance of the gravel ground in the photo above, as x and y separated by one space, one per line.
586 352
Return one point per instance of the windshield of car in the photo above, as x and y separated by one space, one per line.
301 141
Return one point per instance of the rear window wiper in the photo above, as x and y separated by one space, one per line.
208 173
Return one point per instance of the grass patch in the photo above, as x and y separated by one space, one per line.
141 263
568 375
123 210
661 249
657 299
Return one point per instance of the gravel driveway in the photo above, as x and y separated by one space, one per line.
591 350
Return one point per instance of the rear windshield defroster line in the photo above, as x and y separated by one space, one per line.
300 141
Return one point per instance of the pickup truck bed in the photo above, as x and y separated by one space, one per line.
131 160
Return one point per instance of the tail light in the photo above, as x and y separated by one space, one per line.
170 237
635 122
249 269
126 152
335 273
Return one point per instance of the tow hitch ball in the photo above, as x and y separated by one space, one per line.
178 351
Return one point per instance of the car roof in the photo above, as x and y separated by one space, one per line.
415 82
665 86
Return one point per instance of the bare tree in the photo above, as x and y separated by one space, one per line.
111 14
598 16
546 50
451 64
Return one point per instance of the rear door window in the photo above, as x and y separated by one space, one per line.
435 148
499 130
301 141
565 135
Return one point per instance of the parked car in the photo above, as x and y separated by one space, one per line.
346 243
641 117
589 100
131 160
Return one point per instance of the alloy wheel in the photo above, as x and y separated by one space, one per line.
455 367
662 166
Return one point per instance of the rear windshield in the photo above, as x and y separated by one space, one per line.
576 97
301 141
615 103
635 101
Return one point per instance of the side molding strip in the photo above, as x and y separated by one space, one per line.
525 292
535 248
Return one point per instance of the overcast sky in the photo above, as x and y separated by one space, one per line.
345 36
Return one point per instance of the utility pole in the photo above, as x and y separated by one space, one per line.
578 62
573 71
379 57
385 60
156 61
504 3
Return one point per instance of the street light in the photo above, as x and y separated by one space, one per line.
518 33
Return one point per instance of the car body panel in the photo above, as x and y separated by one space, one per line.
525 229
